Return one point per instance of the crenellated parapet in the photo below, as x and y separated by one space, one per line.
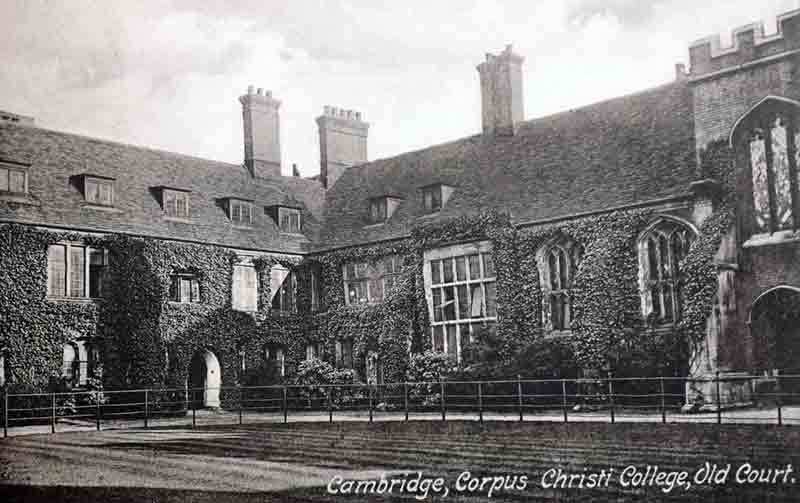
749 44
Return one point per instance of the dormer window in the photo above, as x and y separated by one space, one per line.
175 202
98 190
240 211
435 196
13 179
381 208
287 218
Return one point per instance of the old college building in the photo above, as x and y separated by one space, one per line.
650 234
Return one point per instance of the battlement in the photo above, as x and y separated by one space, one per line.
749 44
341 113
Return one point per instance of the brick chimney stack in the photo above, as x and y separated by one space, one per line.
501 92
262 136
342 142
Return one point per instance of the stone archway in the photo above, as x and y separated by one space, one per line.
775 328
205 374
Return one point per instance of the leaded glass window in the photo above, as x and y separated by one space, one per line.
559 264
662 250
772 138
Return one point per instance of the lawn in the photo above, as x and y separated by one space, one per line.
301 461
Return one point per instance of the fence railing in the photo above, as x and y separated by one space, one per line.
609 399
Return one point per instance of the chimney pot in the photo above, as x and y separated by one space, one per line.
262 147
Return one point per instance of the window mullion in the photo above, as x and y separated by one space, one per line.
791 153
67 270
772 195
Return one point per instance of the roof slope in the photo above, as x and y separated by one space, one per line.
618 152
56 159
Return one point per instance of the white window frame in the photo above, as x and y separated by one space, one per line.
169 210
472 324
100 182
370 276
290 212
5 178
233 204
87 253
177 280
242 302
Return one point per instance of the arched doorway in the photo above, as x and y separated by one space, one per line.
775 327
204 373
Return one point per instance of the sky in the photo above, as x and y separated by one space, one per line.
167 73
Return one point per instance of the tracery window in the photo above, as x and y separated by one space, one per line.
772 138
661 250
558 263
369 282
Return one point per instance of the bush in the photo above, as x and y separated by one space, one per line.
314 375
428 368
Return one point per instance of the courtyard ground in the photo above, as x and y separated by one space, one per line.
295 462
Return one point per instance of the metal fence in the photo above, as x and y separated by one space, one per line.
743 398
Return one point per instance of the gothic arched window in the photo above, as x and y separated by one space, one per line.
661 249
770 137
558 263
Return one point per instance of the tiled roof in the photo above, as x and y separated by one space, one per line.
57 159
623 151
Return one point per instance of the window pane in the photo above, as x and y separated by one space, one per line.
447 270
491 296
76 271
437 304
563 269
245 288
552 264
182 201
449 304
556 311
758 164
16 181
97 271
349 271
57 269
657 305
464 338
428 196
652 258
361 270
4 179
236 211
488 265
474 267
195 290
186 290
376 290
105 193
436 198
435 272
169 203
476 298
438 339
668 300
461 268
663 252
92 191
780 171
463 302
452 341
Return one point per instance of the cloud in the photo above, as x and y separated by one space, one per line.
166 73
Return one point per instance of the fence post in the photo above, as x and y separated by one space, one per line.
780 398
564 398
441 382
194 408
146 407
480 402
330 405
97 411
663 402
519 395
611 396
719 399
241 404
405 397
285 406
53 411
5 412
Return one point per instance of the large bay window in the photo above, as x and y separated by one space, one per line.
76 271
461 287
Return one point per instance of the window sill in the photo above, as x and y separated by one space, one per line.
101 207
374 225
75 300
177 219
776 238
287 233
18 198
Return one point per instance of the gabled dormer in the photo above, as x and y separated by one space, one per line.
97 189
435 196
382 207
288 218
240 211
